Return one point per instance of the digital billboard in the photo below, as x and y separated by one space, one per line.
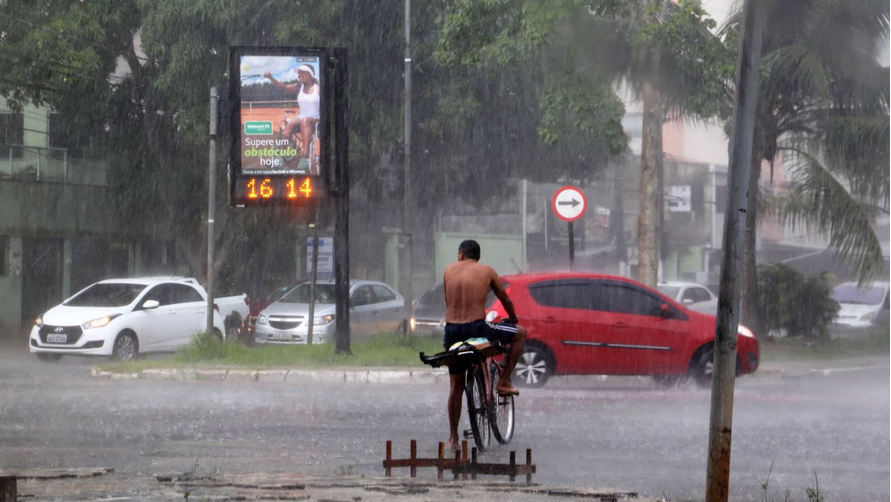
277 112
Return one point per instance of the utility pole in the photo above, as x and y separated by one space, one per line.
721 420
211 200
406 194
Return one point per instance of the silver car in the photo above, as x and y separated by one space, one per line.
374 307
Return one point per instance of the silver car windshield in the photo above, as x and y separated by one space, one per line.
106 295
324 293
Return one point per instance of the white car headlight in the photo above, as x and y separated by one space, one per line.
869 316
261 319
744 331
323 320
98 323
38 322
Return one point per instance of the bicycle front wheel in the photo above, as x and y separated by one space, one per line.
502 418
475 389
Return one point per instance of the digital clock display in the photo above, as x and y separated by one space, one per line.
275 190
278 111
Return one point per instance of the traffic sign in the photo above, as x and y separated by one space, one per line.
569 203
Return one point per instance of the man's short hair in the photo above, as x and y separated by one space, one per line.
471 249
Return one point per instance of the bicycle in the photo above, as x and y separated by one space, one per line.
487 411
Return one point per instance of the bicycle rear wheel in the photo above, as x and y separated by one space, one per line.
502 418
475 389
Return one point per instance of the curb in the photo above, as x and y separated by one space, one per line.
286 376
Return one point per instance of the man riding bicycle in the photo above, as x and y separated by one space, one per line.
467 282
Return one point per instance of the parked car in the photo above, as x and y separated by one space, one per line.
428 312
258 306
694 296
374 307
583 323
428 316
860 308
126 317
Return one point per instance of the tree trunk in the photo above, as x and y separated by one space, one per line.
650 165
750 313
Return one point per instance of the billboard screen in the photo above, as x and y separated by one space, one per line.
277 112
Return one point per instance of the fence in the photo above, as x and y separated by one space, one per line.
32 163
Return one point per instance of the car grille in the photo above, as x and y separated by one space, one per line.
74 333
285 322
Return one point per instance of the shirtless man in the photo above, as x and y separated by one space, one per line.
467 283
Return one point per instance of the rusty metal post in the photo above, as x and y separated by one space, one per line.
8 491
528 463
721 420
413 470
513 466
441 458
464 456
473 463
389 458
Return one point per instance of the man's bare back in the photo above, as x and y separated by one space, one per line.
467 283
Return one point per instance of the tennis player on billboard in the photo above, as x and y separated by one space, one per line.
281 103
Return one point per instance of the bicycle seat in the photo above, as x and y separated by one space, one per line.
472 344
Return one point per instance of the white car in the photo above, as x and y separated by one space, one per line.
124 318
692 295
860 308
374 308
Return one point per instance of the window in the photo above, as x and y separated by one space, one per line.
625 298
383 294
106 295
160 293
184 294
696 295
12 134
433 296
362 296
565 293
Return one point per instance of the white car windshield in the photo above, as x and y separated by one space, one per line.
850 293
669 291
106 295
324 293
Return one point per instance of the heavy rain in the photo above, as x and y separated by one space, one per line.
239 239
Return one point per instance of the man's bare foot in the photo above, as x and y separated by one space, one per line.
507 390
452 446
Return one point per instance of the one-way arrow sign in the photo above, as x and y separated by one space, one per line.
569 203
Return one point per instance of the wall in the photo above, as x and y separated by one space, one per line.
504 253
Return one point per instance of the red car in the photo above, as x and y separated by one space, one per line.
584 323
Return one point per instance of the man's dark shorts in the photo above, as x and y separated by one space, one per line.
503 333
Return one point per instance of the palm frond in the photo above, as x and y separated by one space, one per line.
821 201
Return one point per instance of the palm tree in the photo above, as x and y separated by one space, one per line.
823 106
663 52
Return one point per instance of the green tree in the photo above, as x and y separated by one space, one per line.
822 106
579 50
802 306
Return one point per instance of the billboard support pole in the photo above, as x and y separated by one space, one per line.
341 202
312 278
211 200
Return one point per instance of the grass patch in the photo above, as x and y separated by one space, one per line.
386 349
873 342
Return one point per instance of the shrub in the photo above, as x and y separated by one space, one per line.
802 306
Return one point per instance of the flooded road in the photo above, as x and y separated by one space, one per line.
622 433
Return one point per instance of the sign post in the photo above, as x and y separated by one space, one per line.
569 204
